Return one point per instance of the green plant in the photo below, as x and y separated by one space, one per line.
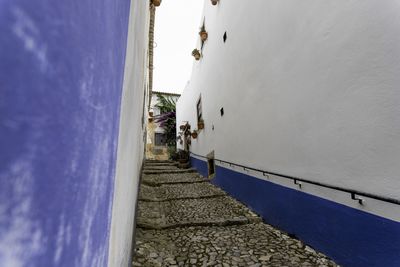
167 118
173 154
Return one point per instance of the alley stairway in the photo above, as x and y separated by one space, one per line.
184 220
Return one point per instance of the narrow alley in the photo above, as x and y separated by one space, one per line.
184 220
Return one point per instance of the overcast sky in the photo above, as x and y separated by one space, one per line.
176 32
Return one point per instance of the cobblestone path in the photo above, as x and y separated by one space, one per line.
184 220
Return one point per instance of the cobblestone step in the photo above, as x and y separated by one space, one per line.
172 178
169 171
150 161
183 220
162 164
192 212
253 245
167 192
160 168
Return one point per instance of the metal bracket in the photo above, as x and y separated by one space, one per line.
354 197
297 182
265 175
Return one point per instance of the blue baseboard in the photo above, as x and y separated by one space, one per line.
349 236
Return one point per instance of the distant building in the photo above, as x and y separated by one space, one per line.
156 146
300 106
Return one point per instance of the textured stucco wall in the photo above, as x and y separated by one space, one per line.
61 80
309 89
131 139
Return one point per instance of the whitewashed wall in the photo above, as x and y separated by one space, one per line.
131 136
309 88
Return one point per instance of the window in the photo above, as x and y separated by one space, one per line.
199 111
211 165
159 139
211 168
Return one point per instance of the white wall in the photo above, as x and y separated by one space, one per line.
131 137
309 88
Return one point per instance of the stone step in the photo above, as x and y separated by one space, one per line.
191 170
179 191
220 211
159 168
161 164
150 161
245 245
172 178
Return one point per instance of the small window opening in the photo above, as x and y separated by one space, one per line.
159 139
225 37
199 110
211 165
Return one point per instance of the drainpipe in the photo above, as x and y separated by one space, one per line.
151 49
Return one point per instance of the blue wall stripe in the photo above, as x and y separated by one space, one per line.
349 236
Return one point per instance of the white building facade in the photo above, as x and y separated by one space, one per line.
300 102
156 146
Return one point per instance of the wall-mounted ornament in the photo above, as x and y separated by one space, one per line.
196 54
156 2
214 2
194 134
200 125
203 33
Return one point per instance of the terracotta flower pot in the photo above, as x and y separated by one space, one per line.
194 135
214 2
156 2
203 35
200 125
196 54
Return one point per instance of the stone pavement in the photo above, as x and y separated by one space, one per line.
183 220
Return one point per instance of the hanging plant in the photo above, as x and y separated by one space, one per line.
156 2
214 2
196 54
194 134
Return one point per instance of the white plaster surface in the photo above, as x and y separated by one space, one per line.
309 89
131 137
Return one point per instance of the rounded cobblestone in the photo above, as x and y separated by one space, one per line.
246 245
172 178
179 191
185 221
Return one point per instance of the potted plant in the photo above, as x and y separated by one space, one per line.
203 33
183 156
194 134
214 2
196 54
156 2
200 124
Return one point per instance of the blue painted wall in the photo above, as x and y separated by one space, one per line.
61 75
349 236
